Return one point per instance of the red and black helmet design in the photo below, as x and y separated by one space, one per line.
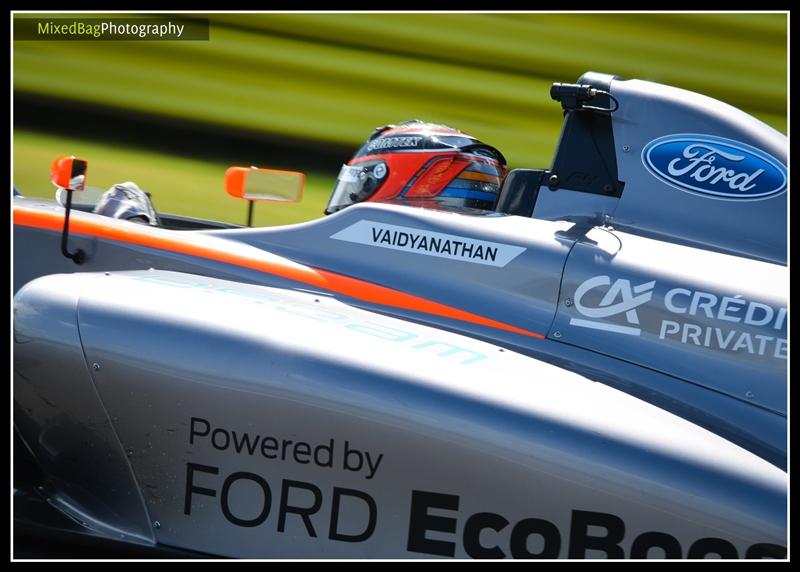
421 163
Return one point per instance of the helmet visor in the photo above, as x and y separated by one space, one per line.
356 183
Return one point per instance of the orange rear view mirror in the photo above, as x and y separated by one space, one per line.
69 172
255 184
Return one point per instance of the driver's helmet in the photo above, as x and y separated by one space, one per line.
421 163
127 201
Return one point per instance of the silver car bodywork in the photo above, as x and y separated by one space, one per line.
393 382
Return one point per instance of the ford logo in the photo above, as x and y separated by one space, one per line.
715 167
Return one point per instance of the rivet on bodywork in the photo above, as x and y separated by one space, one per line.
568 302
556 334
749 395
95 366
156 524
626 148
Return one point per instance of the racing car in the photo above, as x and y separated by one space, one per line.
596 368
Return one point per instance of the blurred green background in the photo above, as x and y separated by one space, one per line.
303 91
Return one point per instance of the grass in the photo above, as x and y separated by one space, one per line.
333 77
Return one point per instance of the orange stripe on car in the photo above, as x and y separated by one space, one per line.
172 241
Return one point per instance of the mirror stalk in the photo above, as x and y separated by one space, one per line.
79 255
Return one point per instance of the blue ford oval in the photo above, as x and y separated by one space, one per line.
715 167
